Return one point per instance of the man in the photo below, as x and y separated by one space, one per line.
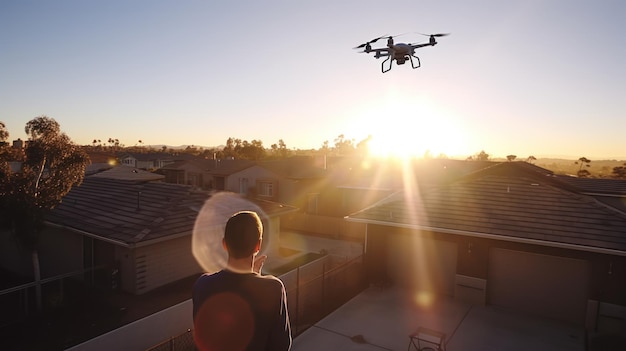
237 308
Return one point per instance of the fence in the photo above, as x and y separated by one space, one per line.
337 228
318 288
182 342
313 291
19 302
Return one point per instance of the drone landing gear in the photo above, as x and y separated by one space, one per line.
418 61
382 65
390 59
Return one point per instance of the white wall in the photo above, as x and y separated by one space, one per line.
125 258
253 173
163 263
144 333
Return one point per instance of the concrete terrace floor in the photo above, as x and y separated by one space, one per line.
382 319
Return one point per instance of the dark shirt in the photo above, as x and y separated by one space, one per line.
240 311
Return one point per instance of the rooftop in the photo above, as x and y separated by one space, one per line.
128 212
529 207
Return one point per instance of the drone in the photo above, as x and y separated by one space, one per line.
399 52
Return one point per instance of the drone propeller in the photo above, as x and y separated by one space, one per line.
435 35
372 41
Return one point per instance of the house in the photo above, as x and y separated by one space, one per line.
511 235
223 175
609 191
350 184
140 232
152 160
189 172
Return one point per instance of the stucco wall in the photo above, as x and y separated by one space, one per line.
126 262
163 263
252 174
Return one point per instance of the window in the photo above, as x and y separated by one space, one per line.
266 189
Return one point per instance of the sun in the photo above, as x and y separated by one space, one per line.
407 129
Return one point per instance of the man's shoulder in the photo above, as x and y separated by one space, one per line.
209 278
270 279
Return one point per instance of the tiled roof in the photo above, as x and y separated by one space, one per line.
129 212
506 206
387 175
295 168
605 186
228 167
128 173
200 163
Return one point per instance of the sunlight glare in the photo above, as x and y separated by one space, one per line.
424 298
404 128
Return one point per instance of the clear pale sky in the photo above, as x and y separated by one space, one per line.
542 78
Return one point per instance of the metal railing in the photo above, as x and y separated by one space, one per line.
313 291
19 302
320 290
182 342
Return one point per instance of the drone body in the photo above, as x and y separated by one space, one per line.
399 52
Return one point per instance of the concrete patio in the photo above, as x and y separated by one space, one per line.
382 319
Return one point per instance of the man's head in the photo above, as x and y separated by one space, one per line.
243 234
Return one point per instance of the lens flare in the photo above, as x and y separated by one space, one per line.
224 322
208 231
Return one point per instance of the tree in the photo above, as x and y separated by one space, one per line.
52 166
280 150
4 134
583 161
343 146
531 159
324 149
619 171
511 158
481 156
253 150
229 149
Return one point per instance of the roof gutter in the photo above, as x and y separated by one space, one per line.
91 235
118 242
158 240
493 236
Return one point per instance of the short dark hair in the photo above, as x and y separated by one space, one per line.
243 231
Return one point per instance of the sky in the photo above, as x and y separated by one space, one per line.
542 78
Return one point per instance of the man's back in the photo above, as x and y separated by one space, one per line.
240 311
